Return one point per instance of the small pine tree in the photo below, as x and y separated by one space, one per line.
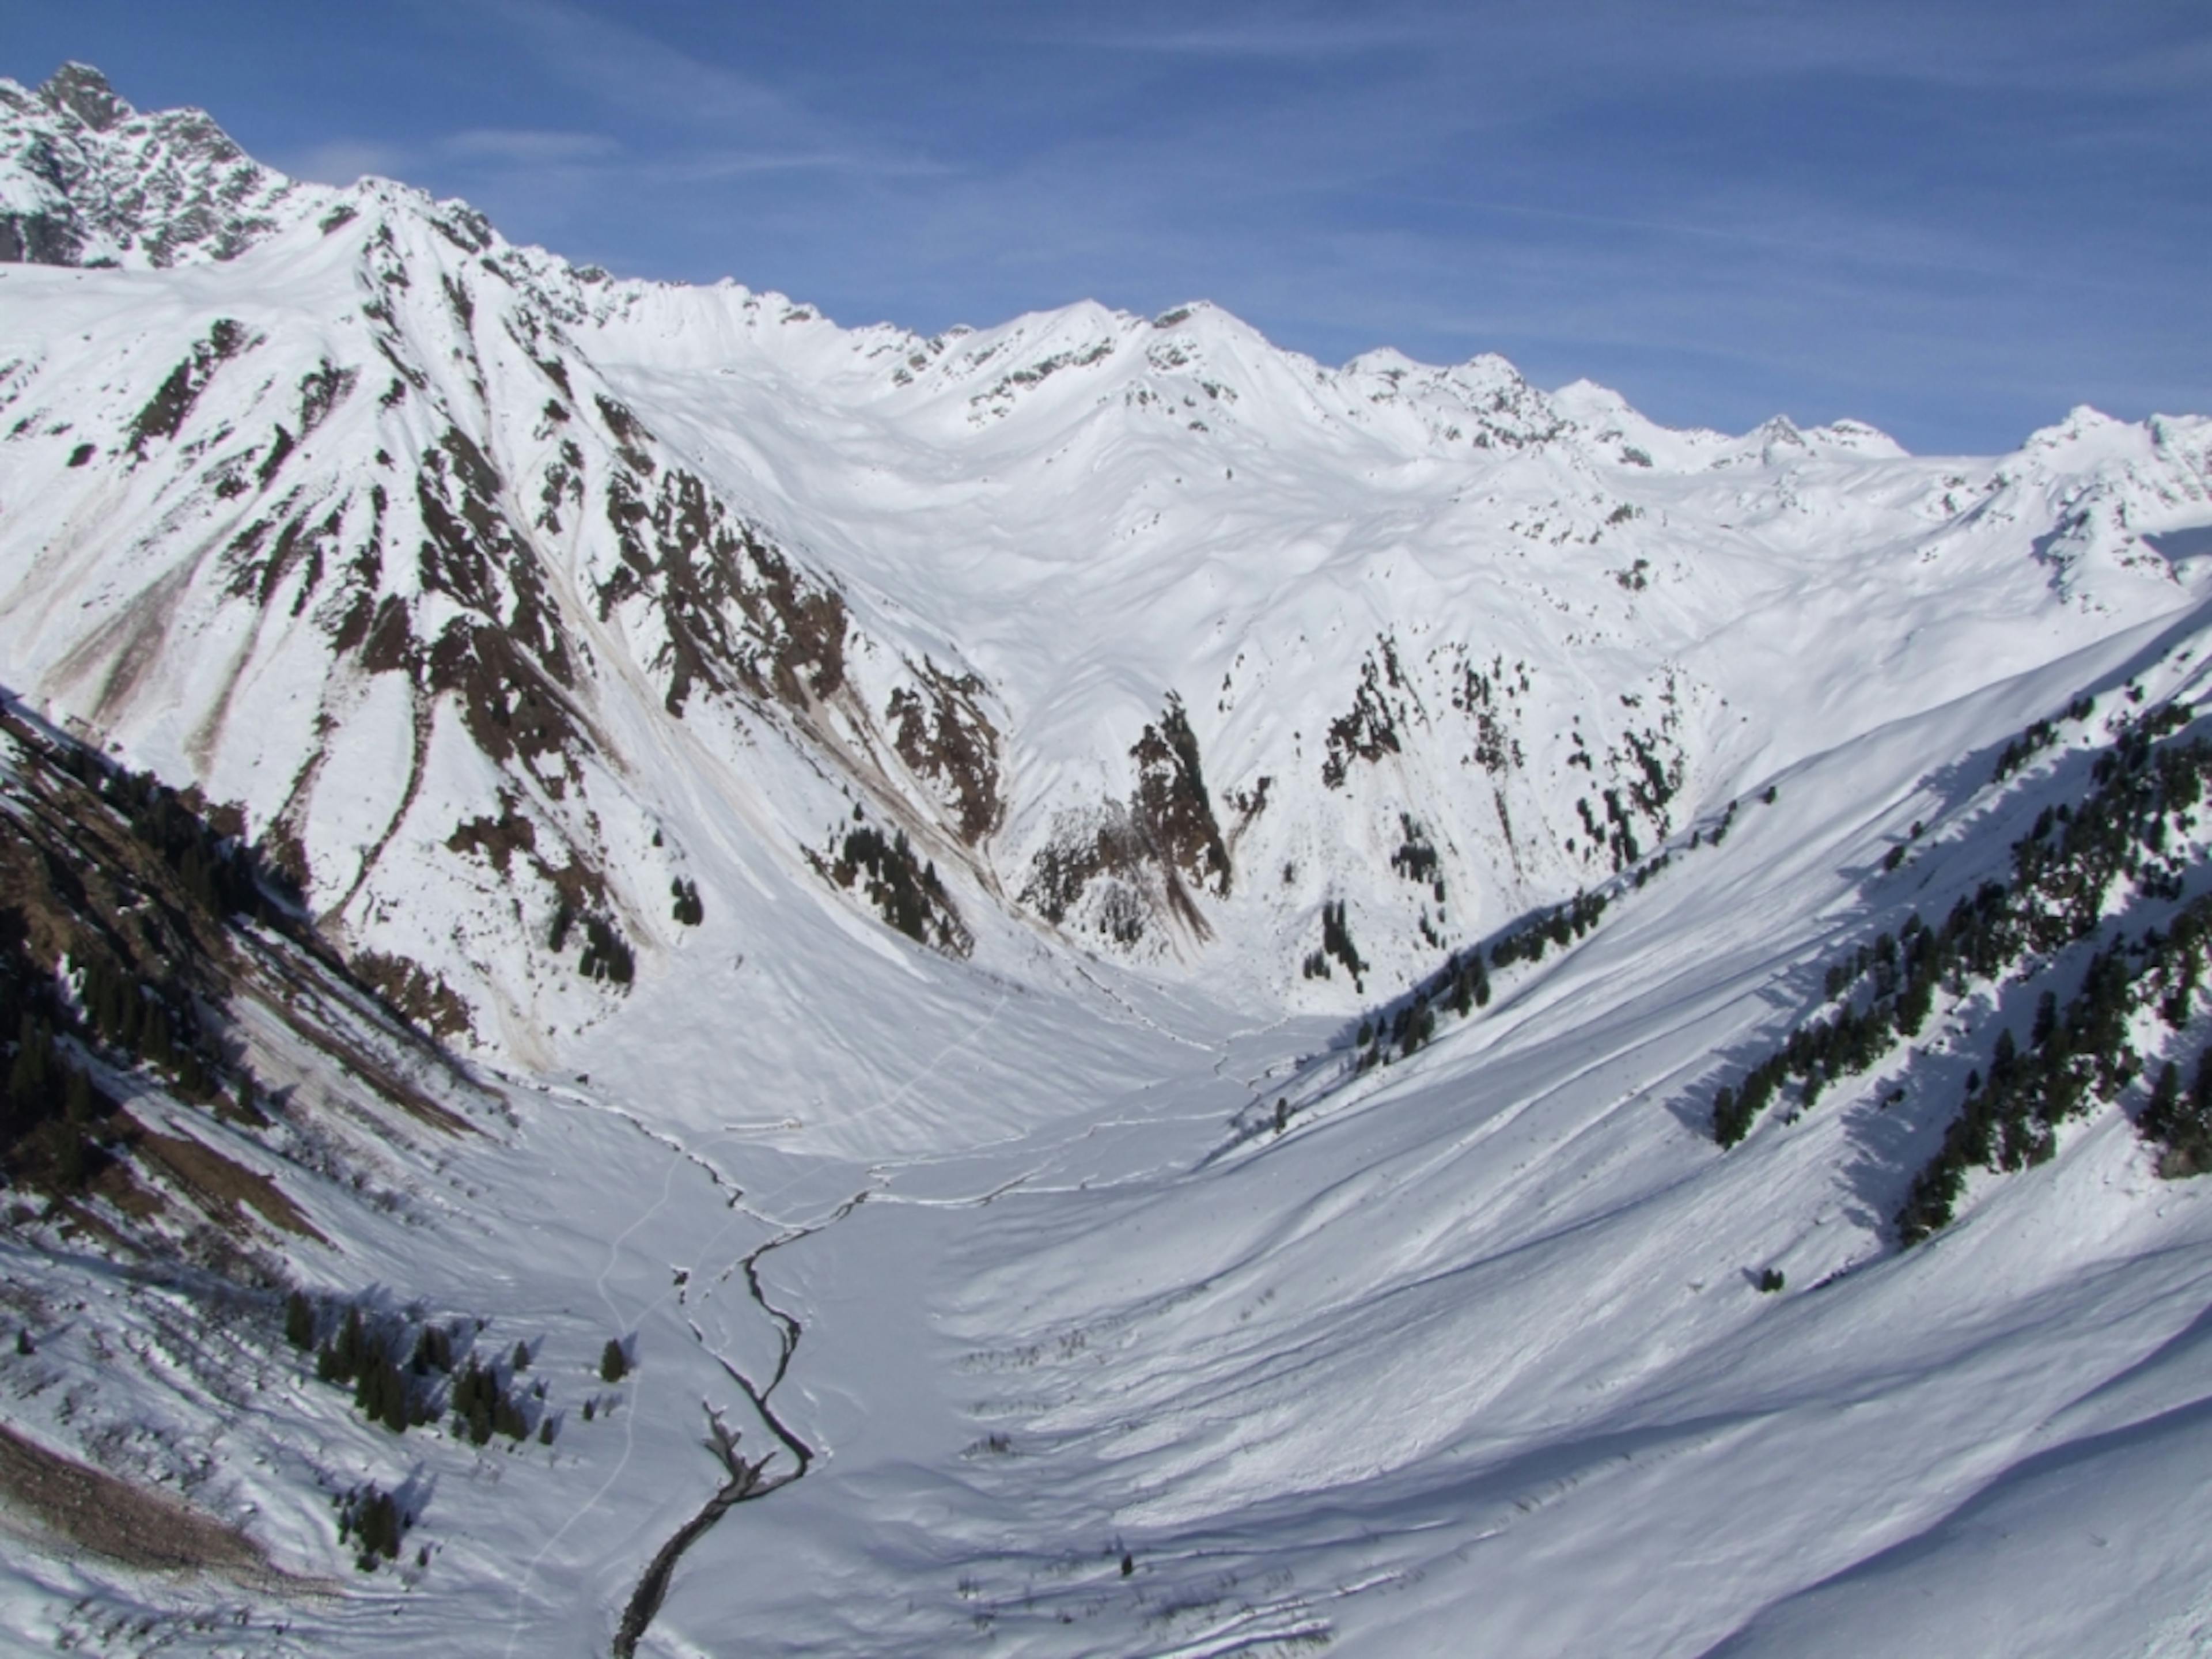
614 1364
70 1164
1731 1115
26 1079
157 1042
300 1321
2161 1116
350 1350
77 1097
521 1357
1769 1280
434 1350
377 1524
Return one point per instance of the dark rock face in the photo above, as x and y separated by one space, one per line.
739 616
1171 808
942 733
1148 854
165 412
82 91
37 238
1370 731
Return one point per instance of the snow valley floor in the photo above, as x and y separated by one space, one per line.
683 981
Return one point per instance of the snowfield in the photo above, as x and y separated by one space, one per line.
943 1163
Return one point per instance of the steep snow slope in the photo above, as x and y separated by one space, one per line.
507 599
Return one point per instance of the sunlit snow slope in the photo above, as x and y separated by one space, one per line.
914 848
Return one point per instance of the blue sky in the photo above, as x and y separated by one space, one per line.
1954 220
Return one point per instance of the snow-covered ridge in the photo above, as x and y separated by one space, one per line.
506 554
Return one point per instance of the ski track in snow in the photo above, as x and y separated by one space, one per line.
630 1408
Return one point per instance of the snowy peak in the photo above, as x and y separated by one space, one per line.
81 90
85 179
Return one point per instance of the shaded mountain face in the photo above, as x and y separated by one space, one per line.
460 567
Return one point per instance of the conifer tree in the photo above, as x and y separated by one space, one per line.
300 1321
77 1099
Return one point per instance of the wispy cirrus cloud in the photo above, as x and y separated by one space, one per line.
1919 212
528 147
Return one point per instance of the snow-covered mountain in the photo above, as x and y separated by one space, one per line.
1010 763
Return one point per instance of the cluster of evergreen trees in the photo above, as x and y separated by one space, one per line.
221 874
1903 970
152 1023
1406 1030
2064 873
374 1521
1335 941
368 1359
400 1396
483 1407
2182 1124
606 954
1469 983
52 1109
1567 922
905 892
2039 736
2009 1120
689 909
51 1098
1463 984
1415 859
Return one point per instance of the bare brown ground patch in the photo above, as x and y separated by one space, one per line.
220 1184
119 1520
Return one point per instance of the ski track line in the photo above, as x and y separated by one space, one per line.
630 1416
756 1206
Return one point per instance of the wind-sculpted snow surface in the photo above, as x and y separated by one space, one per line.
940 878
